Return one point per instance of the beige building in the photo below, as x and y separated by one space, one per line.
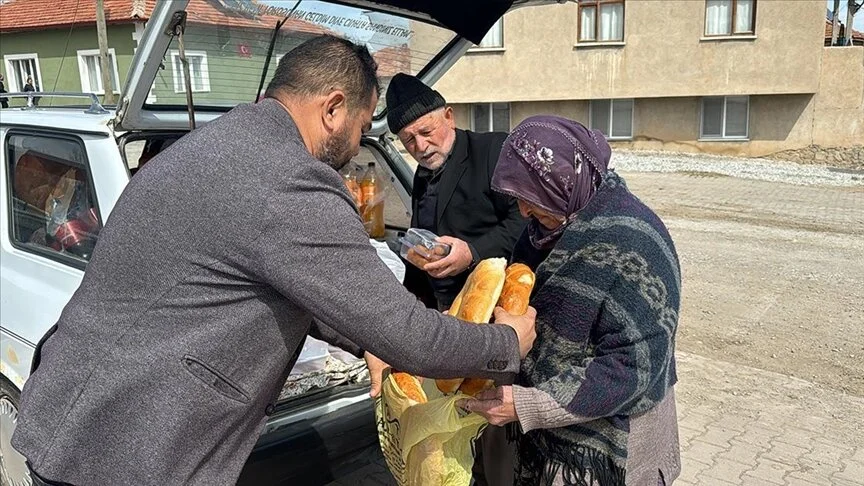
738 77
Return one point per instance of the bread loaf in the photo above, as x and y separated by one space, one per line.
409 385
481 291
518 284
476 302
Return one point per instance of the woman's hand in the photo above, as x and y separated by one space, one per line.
495 405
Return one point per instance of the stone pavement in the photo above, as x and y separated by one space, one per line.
744 426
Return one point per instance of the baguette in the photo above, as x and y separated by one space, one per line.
410 386
518 284
476 302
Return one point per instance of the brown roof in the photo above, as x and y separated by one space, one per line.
857 37
392 60
18 15
21 15
206 12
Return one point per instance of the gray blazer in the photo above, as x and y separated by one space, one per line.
203 286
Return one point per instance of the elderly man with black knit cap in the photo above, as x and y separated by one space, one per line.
451 195
452 198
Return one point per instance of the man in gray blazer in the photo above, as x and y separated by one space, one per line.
206 280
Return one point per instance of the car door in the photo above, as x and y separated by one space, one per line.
58 185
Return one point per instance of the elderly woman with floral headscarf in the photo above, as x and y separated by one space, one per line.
594 399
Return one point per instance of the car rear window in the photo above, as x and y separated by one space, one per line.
226 44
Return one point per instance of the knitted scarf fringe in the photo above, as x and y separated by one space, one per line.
541 458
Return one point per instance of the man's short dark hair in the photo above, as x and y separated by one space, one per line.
323 63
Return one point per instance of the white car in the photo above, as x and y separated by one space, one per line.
64 167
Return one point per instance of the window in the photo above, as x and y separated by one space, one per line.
495 37
90 70
54 210
730 17
19 67
200 76
612 117
725 117
490 117
601 20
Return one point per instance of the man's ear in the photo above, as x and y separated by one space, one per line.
448 117
335 110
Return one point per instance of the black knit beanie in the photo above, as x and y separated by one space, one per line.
408 99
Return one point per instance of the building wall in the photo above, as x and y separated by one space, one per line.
776 123
663 54
51 45
806 101
839 106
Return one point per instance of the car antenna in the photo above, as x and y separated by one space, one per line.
270 50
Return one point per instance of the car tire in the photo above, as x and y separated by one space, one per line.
13 468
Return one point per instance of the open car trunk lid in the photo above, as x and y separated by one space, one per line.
231 47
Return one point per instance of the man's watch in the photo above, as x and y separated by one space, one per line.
475 257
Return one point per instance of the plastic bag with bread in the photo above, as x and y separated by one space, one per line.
426 439
491 284
424 442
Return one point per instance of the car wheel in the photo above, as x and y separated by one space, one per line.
13 468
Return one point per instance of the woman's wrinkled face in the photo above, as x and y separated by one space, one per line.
548 220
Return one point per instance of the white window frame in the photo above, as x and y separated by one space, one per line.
491 127
85 78
723 135
499 24
179 85
611 111
13 83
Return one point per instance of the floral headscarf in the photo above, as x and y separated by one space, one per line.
555 164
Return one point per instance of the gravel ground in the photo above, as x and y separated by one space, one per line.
745 168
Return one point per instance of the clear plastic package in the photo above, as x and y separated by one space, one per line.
419 247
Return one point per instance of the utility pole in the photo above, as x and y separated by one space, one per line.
104 62
834 22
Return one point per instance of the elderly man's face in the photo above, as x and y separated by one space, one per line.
429 139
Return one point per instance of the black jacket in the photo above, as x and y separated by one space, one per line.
468 209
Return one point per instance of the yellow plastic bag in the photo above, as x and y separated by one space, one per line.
426 444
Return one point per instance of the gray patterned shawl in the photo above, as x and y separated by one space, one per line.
607 298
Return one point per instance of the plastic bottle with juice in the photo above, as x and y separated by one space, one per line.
373 203
349 177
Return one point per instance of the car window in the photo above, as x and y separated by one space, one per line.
53 205
395 213
138 152
226 47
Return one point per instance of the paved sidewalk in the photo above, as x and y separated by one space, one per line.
744 426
